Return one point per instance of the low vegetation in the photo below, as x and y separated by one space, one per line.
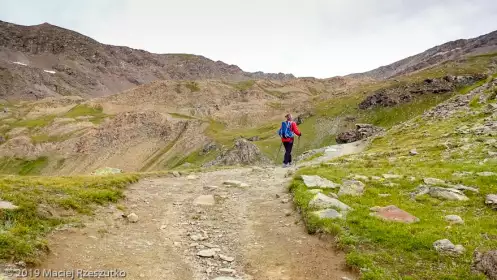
47 202
389 250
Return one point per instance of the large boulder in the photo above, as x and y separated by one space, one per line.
243 153
362 131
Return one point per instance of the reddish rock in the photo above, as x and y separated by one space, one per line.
393 213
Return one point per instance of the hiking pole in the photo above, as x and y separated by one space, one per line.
297 151
278 154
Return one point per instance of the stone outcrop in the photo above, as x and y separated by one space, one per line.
362 131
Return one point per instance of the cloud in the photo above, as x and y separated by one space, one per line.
319 38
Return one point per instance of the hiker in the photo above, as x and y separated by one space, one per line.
287 131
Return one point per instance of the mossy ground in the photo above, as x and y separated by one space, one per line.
22 231
385 250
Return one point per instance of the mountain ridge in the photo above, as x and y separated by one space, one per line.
451 50
76 64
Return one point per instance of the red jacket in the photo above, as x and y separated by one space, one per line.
295 130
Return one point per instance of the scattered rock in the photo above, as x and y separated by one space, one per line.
393 213
485 263
447 193
7 205
486 174
327 214
191 177
351 187
491 200
227 271
253 138
232 183
362 131
176 174
314 181
360 177
277 195
444 246
462 174
132 217
465 188
384 195
209 253
345 278
224 278
207 200
376 178
413 152
226 258
288 213
321 201
454 219
434 182
211 188
199 237
392 176
285 200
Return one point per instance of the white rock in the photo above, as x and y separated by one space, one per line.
7 205
434 182
191 177
232 183
176 174
454 219
392 176
486 174
205 200
226 258
351 187
327 214
444 246
132 218
49 71
491 199
321 201
314 181
209 253
413 152
447 193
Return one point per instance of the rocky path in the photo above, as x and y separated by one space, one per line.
226 224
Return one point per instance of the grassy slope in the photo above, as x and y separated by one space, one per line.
384 250
23 230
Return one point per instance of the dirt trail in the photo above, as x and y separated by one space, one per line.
253 231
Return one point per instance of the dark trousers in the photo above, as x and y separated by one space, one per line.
288 152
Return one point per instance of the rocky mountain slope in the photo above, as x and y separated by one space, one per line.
446 52
46 60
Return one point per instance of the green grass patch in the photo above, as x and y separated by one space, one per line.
388 116
24 229
245 85
80 110
388 250
192 86
34 123
23 166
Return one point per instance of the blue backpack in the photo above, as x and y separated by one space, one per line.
286 130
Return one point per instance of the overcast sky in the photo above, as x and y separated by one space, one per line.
320 38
